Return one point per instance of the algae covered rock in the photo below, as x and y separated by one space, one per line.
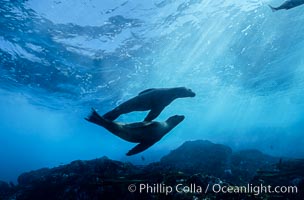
78 180
245 163
199 156
6 190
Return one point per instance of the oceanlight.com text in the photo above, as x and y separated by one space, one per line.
161 188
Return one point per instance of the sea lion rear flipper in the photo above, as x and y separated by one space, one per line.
145 91
273 8
139 148
113 114
153 114
95 118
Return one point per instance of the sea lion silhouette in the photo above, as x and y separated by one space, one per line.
287 5
154 99
144 133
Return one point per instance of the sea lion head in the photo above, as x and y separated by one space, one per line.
185 92
175 120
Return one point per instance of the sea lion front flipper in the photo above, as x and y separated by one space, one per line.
139 148
153 113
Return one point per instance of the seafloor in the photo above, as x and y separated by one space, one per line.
193 166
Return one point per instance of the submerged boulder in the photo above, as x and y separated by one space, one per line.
78 180
287 173
218 160
199 156
244 164
6 190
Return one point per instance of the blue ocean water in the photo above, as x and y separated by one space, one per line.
60 58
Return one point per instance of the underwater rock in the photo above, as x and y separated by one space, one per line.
103 167
6 190
288 171
77 180
199 156
193 167
285 173
218 160
244 164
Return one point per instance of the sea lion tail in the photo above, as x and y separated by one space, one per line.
273 9
95 118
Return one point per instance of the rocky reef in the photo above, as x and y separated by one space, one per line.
195 170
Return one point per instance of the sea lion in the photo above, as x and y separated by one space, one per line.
144 133
154 99
287 5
